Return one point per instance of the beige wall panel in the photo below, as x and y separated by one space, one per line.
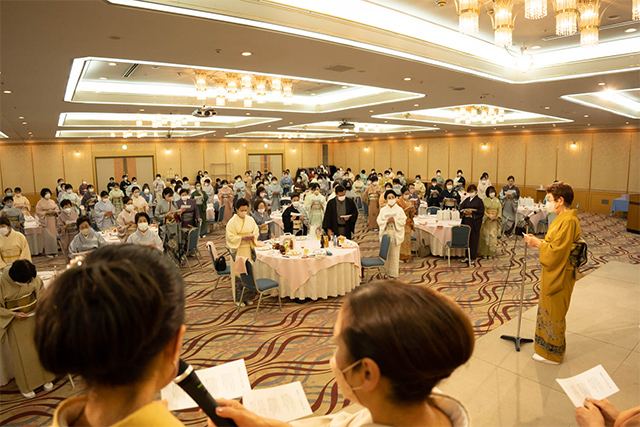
610 160
168 160
17 168
214 152
418 159
460 157
511 159
581 198
238 160
574 164
484 160
438 156
600 202
292 159
352 157
541 161
192 160
367 158
382 155
134 148
311 154
400 155
47 164
78 164
634 164
340 155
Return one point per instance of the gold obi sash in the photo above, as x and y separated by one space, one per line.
25 304
264 228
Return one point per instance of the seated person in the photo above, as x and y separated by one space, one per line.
21 202
13 213
66 223
293 217
13 245
395 343
126 299
104 212
126 221
144 236
87 240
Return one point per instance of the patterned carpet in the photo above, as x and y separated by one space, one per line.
295 344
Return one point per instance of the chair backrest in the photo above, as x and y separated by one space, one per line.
460 236
384 247
432 210
221 213
248 279
192 239
212 251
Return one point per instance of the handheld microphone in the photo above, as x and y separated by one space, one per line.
188 380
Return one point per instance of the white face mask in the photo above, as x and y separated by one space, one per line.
129 208
341 198
66 210
299 180
69 191
146 191
184 198
551 206
459 174
198 188
295 204
47 196
391 202
449 187
4 231
472 195
242 214
263 195
85 231
84 182
484 181
438 174
492 195
261 211
105 200
417 180
224 185
143 226
238 180
136 195
345 388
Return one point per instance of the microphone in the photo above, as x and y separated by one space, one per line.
188 380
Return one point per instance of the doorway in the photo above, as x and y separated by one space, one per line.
140 166
266 163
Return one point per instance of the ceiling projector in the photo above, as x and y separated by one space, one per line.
345 125
204 112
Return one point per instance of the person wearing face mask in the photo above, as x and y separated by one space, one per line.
14 214
410 210
143 235
20 290
509 197
116 195
225 195
397 186
400 177
299 186
391 174
286 183
472 212
391 222
86 240
449 198
371 198
201 198
274 191
208 189
13 245
383 199
413 196
111 183
133 186
440 180
262 218
89 200
248 184
483 185
126 220
76 201
358 188
387 178
293 217
239 189
147 195
261 194
59 187
190 214
126 348
315 204
185 183
420 187
459 183
558 274
46 211
139 202
433 194
167 216
104 212
158 186
83 187
66 223
21 202
341 214
124 183
490 230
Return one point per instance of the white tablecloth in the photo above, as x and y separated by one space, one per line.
311 278
435 234
34 234
277 219
540 214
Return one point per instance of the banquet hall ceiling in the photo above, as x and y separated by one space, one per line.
41 40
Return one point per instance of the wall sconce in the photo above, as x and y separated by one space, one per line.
167 151
484 146
366 149
573 145
293 150
236 150
417 148
77 153
124 146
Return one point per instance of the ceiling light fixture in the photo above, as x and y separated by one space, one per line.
566 12
589 22
630 30
468 16
407 79
535 9
246 53
6 91
536 47
525 61
635 10
113 64
479 113
503 23
21 117
124 146
601 84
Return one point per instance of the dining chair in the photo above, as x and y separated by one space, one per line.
459 240
380 261
219 274
192 246
261 286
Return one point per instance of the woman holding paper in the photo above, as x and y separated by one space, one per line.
263 220
391 222
242 231
558 274
139 318
472 211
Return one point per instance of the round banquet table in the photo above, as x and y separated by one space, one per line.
277 219
435 234
311 277
539 213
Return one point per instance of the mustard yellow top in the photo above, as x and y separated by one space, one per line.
155 414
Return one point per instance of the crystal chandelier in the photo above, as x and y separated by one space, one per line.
566 17
535 9
247 88
468 16
589 22
291 135
503 23
201 86
635 10
479 113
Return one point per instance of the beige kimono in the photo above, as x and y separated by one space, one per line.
22 203
125 219
13 247
47 211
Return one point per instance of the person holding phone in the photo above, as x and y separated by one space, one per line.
341 214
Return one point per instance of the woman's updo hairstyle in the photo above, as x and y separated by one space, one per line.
416 336
107 318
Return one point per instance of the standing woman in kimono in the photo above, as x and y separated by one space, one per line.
410 211
116 195
20 286
201 200
509 197
371 195
274 192
260 216
167 216
104 212
490 224
483 185
225 195
242 234
66 224
47 211
558 274
472 212
391 222
315 205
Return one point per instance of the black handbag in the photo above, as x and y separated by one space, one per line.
220 264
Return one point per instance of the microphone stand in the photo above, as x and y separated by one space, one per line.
517 340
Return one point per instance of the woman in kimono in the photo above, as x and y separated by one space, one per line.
20 289
47 211
116 195
126 221
201 199
472 212
490 224
144 236
558 274
139 203
275 194
68 194
104 212
449 197
225 196
433 194
21 202
315 205
89 200
261 217
391 222
509 197
87 239
371 196
148 195
66 224
483 185
167 217
190 213
13 244
242 234
410 211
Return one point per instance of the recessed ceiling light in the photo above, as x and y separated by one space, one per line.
142 109
6 91
21 117
313 94
535 47
103 78
345 87
248 114
601 84
290 123
406 79
630 30
416 105
371 111
586 115
546 108
113 64
246 53
24 123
